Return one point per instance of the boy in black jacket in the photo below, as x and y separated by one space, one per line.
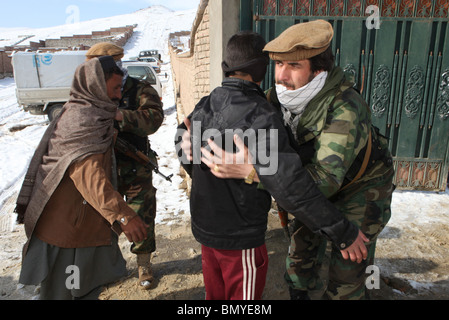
229 216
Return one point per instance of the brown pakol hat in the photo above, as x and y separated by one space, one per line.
105 49
301 41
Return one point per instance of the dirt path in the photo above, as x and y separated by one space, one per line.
177 266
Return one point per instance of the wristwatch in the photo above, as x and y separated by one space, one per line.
250 178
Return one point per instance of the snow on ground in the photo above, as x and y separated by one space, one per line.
20 134
173 203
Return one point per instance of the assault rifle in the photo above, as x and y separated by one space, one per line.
131 151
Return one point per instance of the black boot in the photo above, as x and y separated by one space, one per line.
296 294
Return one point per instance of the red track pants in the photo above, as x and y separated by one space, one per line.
234 274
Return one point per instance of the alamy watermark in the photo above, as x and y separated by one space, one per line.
74 279
262 146
373 280
373 21
73 14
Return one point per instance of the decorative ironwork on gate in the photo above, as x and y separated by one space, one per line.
355 8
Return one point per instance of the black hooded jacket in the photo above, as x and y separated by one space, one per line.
230 214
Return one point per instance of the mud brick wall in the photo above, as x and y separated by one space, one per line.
5 64
191 70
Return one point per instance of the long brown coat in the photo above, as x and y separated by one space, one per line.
84 207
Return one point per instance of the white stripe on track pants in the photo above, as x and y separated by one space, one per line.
234 274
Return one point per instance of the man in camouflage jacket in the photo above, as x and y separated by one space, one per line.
331 125
141 108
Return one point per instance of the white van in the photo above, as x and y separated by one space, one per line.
43 80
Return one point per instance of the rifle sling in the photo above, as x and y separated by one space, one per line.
364 164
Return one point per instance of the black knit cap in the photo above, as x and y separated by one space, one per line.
107 63
244 53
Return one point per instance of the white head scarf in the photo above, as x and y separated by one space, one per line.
294 102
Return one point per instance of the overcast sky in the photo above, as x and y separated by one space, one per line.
50 13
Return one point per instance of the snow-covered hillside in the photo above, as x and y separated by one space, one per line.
153 26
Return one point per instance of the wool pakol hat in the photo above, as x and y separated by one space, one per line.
301 41
105 49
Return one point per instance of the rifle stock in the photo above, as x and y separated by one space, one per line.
283 217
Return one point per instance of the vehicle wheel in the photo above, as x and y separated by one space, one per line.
53 111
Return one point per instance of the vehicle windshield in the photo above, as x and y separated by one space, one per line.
142 73
149 59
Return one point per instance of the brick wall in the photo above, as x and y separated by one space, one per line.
191 70
119 36
202 58
5 64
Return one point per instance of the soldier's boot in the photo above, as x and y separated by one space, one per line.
145 271
296 294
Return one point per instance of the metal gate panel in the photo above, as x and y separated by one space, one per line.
401 70
410 105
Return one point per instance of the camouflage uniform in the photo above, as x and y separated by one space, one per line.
332 135
143 115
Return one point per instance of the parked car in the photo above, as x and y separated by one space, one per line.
154 62
144 71
150 53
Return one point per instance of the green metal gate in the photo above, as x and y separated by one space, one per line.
401 68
